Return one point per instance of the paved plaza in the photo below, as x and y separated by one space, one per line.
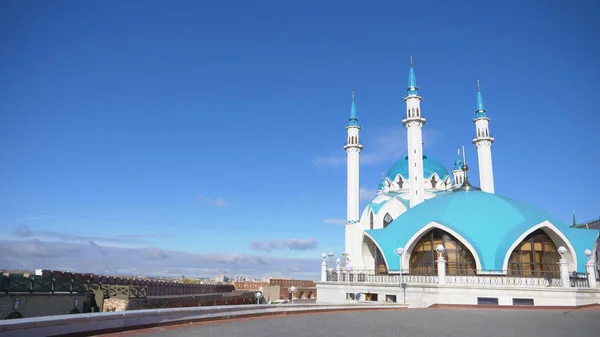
405 323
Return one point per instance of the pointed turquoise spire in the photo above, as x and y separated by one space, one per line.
412 80
480 112
353 119
458 162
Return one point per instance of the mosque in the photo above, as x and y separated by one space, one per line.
428 227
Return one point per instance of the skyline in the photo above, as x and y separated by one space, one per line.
209 138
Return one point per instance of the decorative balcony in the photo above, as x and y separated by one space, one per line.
482 278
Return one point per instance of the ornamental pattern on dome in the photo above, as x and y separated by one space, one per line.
430 166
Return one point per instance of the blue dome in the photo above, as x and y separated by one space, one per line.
490 223
430 166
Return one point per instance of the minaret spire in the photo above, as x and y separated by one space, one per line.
457 172
353 244
412 80
414 122
353 119
483 141
480 107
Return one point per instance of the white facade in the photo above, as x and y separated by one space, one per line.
414 123
353 148
484 141
426 295
415 179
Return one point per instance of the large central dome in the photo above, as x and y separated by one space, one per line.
430 166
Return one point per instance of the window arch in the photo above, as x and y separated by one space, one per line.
400 182
371 221
380 267
536 255
387 219
459 260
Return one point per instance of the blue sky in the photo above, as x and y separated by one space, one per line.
216 129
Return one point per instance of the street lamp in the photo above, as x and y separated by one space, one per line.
258 296
292 290
562 250
399 251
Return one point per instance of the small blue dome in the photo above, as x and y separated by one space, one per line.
458 163
430 166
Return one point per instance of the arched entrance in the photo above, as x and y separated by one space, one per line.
536 256
459 260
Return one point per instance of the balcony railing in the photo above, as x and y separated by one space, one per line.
483 278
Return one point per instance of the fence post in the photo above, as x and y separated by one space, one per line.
441 264
590 267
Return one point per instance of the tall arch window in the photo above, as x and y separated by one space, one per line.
400 182
535 256
459 260
371 221
380 267
387 219
433 182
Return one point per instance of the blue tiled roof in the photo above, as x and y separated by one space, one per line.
458 163
430 166
480 112
490 223
412 82
377 206
353 119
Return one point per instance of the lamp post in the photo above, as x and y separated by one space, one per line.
399 251
590 269
564 267
348 270
323 267
441 264
346 258
258 296
292 290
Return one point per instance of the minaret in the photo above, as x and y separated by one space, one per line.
483 141
414 123
458 173
353 148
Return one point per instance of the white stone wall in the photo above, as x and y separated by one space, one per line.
484 141
423 296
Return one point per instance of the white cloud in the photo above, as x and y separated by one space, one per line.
389 143
367 193
26 232
217 202
293 244
335 221
89 257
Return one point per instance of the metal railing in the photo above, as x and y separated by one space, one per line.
370 276
489 278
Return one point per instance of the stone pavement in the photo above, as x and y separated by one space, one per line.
405 323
